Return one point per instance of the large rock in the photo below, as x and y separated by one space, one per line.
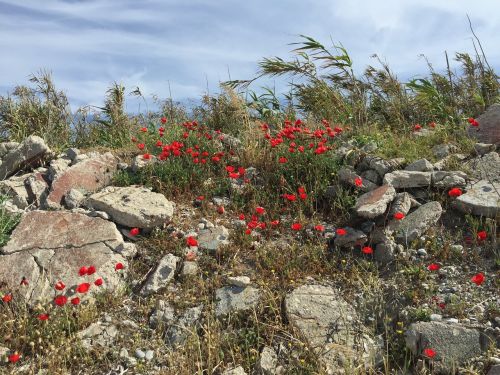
421 165
133 206
89 175
353 237
449 179
374 203
489 126
28 153
482 199
328 322
416 223
348 176
453 344
47 247
403 202
381 166
162 275
15 188
408 179
232 299
486 167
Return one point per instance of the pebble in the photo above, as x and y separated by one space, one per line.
240 281
457 248
140 354
436 317
149 355
422 252
452 320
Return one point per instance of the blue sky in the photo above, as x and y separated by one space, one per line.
193 44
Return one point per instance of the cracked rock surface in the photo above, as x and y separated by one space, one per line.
50 246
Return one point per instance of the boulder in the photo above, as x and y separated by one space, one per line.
416 223
486 167
408 179
101 334
47 247
348 176
28 153
327 322
421 165
489 126
89 176
482 199
211 239
133 206
15 189
453 343
403 202
374 203
73 198
484 148
448 179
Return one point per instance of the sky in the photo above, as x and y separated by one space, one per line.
185 48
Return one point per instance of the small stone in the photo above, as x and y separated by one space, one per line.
436 317
190 268
422 253
73 198
235 371
241 281
140 354
149 355
231 299
484 148
268 360
161 276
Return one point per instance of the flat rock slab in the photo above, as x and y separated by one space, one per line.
374 203
29 152
408 179
327 322
486 167
47 247
483 199
416 223
449 179
233 299
133 206
212 238
489 126
453 343
89 175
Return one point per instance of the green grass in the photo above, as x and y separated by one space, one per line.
7 222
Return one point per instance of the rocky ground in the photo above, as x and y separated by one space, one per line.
100 277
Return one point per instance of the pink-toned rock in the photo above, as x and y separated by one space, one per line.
89 175
51 246
374 203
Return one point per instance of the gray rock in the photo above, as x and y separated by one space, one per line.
133 206
139 162
149 355
483 199
489 125
232 299
484 148
374 203
98 334
385 251
372 176
421 165
3 350
449 179
37 187
58 166
72 153
352 238
348 176
190 268
267 362
403 202
442 151
241 281
486 167
161 276
163 314
454 344
29 152
235 371
5 147
327 322
407 179
416 223
381 166
74 198
441 164
15 189
179 330
139 354
494 370
211 239
47 247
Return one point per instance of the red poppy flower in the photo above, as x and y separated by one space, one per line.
75 301
119 266
200 198
144 129
146 156
260 210
241 217
43 317
60 300
98 282
296 226
275 223
433 267
242 171
478 278
481 236
303 196
319 228
91 270
60 285
229 168
13 358
455 192
301 190
83 271
358 182
7 298
248 231
417 127
341 232
163 120
83 288
141 146
234 175
282 160
300 148
473 122
367 250
399 215
428 352
290 197
220 209
191 241
159 143
134 232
